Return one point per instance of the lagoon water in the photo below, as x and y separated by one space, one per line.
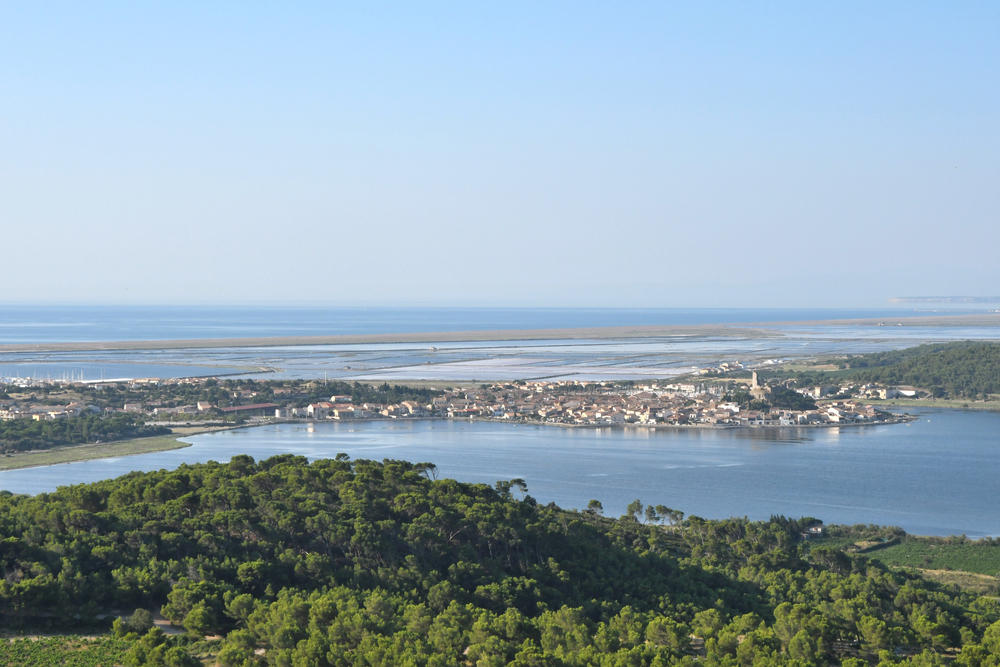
939 475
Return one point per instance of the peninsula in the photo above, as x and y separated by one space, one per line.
39 416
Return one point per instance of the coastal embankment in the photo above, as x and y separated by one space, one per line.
894 419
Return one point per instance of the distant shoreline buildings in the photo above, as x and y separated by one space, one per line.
723 403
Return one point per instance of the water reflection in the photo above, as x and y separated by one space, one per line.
931 477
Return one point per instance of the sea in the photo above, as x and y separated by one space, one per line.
77 323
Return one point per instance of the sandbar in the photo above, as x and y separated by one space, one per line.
974 320
645 331
748 330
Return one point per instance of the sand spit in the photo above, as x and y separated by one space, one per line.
977 320
647 331
749 330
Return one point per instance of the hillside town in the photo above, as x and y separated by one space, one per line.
696 403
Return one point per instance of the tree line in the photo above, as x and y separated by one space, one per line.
965 369
18 435
231 392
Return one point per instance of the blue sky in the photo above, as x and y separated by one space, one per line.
630 154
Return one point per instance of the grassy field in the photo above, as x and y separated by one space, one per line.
156 443
63 650
954 403
972 566
808 366
968 581
930 554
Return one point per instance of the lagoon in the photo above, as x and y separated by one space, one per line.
937 475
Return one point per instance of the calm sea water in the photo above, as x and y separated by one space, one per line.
35 324
935 476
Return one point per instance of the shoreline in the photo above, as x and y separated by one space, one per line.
957 404
977 320
901 419
90 451
427 337
162 443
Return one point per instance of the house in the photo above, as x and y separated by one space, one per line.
252 410
319 410
815 530
413 408
179 410
341 411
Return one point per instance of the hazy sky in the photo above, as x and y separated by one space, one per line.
505 153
